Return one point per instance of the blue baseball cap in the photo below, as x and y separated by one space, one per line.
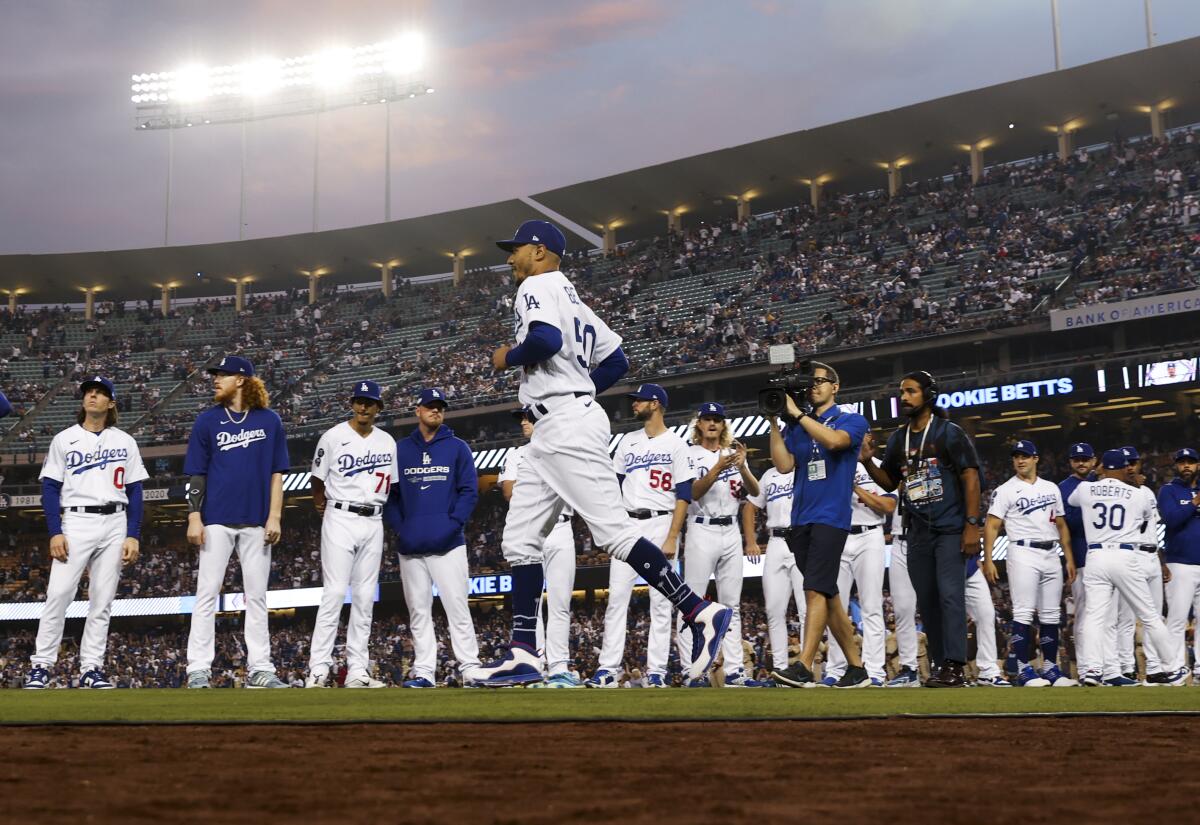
521 413
1024 447
1131 454
1187 454
431 395
711 408
1081 450
541 232
367 389
1115 460
100 382
649 392
234 365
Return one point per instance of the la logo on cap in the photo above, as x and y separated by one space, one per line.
96 379
536 238
437 394
363 387
223 362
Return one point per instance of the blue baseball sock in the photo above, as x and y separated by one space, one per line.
1020 643
527 590
1049 643
646 558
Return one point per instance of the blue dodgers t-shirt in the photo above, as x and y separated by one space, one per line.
239 460
825 500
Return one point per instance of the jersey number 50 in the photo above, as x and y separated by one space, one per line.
582 332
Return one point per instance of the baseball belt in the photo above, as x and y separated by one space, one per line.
97 509
780 532
540 411
858 529
645 514
719 521
358 509
1037 545
1118 546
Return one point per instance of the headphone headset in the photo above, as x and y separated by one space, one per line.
929 387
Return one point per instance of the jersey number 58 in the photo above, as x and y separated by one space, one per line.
660 480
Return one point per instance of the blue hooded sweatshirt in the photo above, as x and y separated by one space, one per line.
1181 519
437 492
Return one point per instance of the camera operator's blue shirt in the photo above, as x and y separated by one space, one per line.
825 500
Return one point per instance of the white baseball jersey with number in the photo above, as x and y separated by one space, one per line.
722 497
356 469
775 496
1028 510
586 340
653 468
1113 511
861 514
93 467
512 463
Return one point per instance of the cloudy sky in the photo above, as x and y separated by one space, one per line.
531 95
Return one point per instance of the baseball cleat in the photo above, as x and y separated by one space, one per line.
827 681
199 679
698 682
1177 678
520 666
994 681
709 626
264 679
1130 674
367 682
1122 681
907 677
604 678
657 680
1057 678
38 679
741 680
854 677
796 676
418 682
1028 677
95 680
317 680
562 681
1092 680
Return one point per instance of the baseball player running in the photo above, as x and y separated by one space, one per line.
428 511
1113 516
1082 459
863 563
236 458
567 355
92 496
1178 501
1030 510
353 471
654 467
781 578
714 543
558 558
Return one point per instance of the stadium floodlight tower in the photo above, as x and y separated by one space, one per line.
267 87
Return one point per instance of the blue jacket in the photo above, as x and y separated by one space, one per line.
437 491
1073 516
1180 517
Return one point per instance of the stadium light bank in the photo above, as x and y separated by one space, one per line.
267 87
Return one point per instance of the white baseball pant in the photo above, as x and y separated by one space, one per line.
621 578
781 581
1111 667
558 564
1079 595
904 605
1111 571
1035 581
351 552
94 544
982 611
863 562
255 557
1183 594
715 549
449 572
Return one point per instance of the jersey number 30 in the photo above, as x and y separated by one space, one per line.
1111 516
582 333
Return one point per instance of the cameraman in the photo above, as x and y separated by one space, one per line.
822 448
936 464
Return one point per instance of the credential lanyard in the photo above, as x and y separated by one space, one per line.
816 451
924 435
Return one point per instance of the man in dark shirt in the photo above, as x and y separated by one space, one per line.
934 463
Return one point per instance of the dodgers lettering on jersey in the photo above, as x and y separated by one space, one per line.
1113 511
1028 510
94 468
238 453
586 340
512 465
653 468
860 513
356 469
775 496
722 497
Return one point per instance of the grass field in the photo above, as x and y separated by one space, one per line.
516 705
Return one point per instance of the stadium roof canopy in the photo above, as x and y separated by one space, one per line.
1096 101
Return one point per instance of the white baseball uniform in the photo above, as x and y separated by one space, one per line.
1113 516
714 546
558 564
781 578
1151 568
1035 574
358 472
652 468
904 603
863 562
94 469
982 611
